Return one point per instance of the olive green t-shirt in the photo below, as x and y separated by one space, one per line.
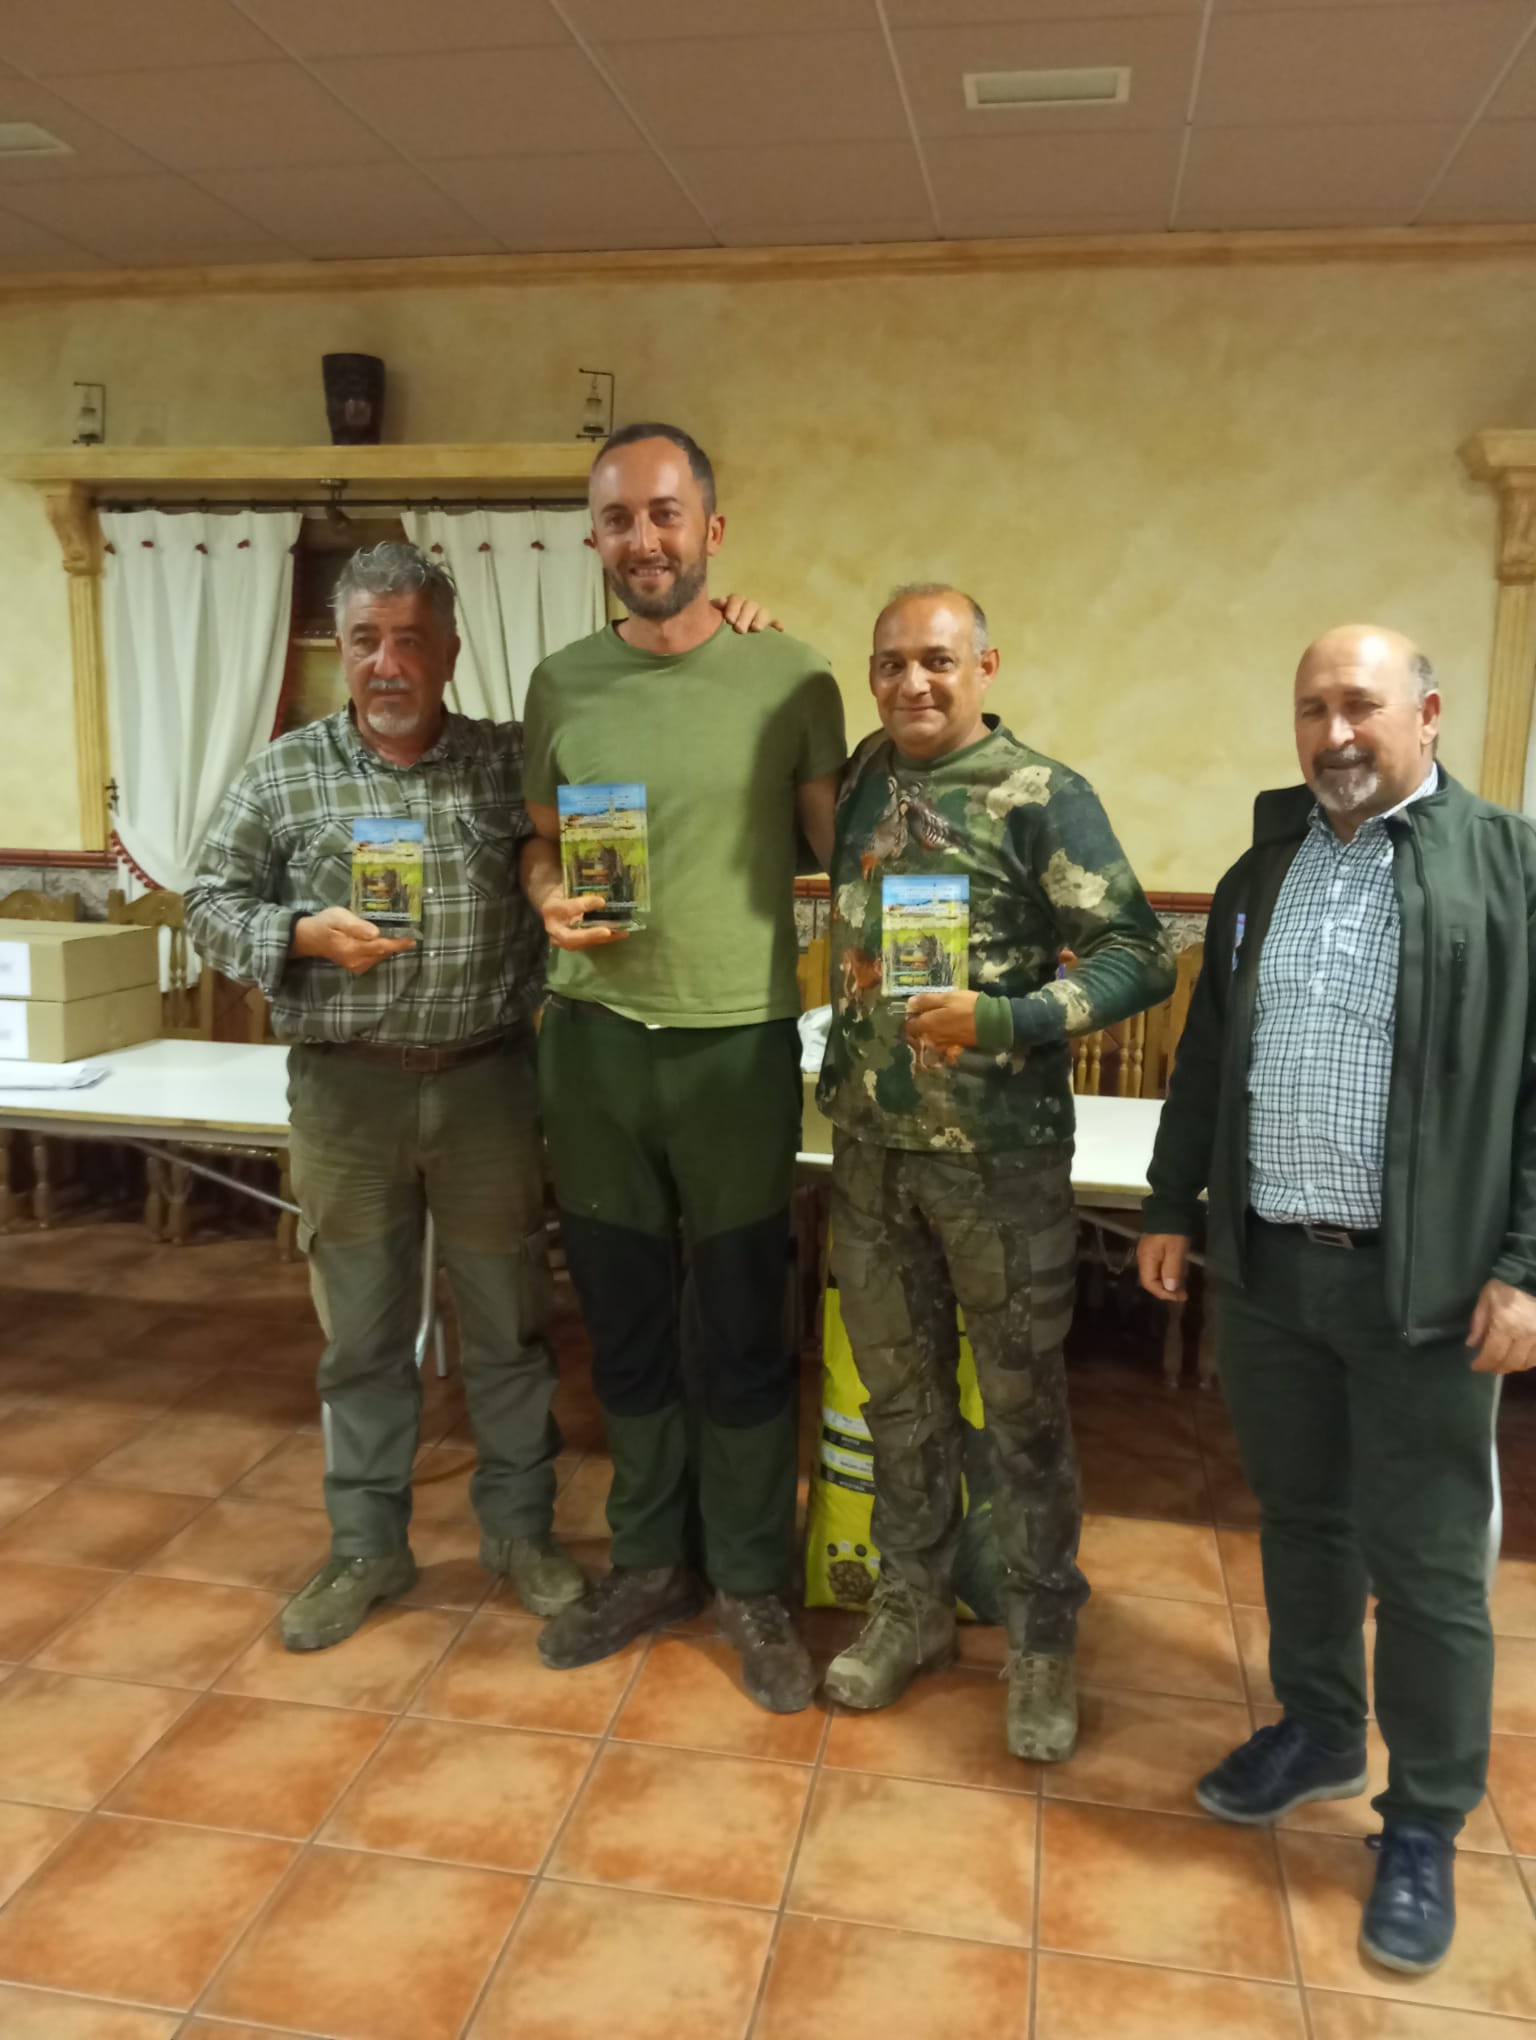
720 737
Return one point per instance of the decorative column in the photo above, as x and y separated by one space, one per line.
73 517
1507 460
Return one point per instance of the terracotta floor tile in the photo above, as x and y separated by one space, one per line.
1244 1567
460 1793
689 1694
39 2015
136 1909
1082 2000
1155 1888
18 1491
447 1578
37 1600
1119 1481
67 1742
1252 1628
160 1632
247 1544
28 1836
1234 1505
371 1948
62 1442
690 1825
253 1397
494 1674
256 1766
868 1983
1513 1600
625 1965
936 1858
1159 1426
1171 1561
189 1455
1158 1647
1512 1784
80 1525
293 1474
581 1508
1335 2017
948 1726
1514 1686
379 1667
1146 1749
1492 1963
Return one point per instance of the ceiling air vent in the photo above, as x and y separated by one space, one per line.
1006 91
26 138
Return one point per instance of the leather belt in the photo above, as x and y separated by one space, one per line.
1347 1237
417 1060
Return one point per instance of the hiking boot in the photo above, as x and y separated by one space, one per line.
1042 1707
617 1610
541 1570
776 1666
1277 1768
907 1632
1410 1916
340 1595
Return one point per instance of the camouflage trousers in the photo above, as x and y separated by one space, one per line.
914 1234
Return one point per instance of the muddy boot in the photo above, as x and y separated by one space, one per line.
340 1595
1042 1707
908 1632
543 1573
613 1613
776 1666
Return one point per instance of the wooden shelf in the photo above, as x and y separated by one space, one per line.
523 467
1509 451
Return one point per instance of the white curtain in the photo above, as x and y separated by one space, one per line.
196 622
528 583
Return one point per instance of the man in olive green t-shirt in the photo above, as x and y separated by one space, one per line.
669 1055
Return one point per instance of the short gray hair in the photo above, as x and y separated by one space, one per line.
1423 676
918 590
395 568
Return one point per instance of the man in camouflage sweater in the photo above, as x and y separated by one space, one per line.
952 1109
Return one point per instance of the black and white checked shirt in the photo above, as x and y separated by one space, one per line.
1323 1031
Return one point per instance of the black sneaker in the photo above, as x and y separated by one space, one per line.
1410 1915
1278 1768
614 1612
776 1666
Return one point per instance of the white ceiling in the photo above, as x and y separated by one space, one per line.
209 131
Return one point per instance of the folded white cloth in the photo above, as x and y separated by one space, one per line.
28 1076
815 1025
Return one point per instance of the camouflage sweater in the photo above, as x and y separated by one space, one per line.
1046 874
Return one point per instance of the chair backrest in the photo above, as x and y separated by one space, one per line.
1165 1023
813 972
187 1006
28 905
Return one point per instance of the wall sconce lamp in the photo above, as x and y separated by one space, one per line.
596 415
90 413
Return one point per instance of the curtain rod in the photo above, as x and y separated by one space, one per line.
348 506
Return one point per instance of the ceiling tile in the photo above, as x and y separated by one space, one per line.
1160 52
772 88
810 184
1492 180
68 37
232 117
24 246
146 222
676 20
345 28
373 209
1516 97
1018 178
610 199
1350 63
1313 176
95 152
846 234
946 13
454 104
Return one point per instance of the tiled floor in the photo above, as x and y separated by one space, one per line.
423 1834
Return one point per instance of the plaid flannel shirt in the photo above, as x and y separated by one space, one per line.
281 846
1323 1031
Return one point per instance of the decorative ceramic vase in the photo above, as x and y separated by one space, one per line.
354 398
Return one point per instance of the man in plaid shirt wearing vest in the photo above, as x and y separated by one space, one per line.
1356 1089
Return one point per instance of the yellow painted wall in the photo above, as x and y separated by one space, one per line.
1161 483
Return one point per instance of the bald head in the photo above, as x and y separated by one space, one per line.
1367 719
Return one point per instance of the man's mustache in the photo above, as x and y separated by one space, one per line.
1342 761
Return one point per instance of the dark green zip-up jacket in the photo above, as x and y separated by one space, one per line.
1459 1188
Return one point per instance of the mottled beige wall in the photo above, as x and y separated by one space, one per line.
1160 482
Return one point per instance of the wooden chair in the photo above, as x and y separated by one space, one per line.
27 904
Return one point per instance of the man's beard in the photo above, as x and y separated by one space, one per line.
1345 781
687 584
391 712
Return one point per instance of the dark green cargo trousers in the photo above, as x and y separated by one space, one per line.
913 1235
673 1154
1372 1461
371 1151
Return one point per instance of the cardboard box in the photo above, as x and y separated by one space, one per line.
64 1030
66 960
815 1127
